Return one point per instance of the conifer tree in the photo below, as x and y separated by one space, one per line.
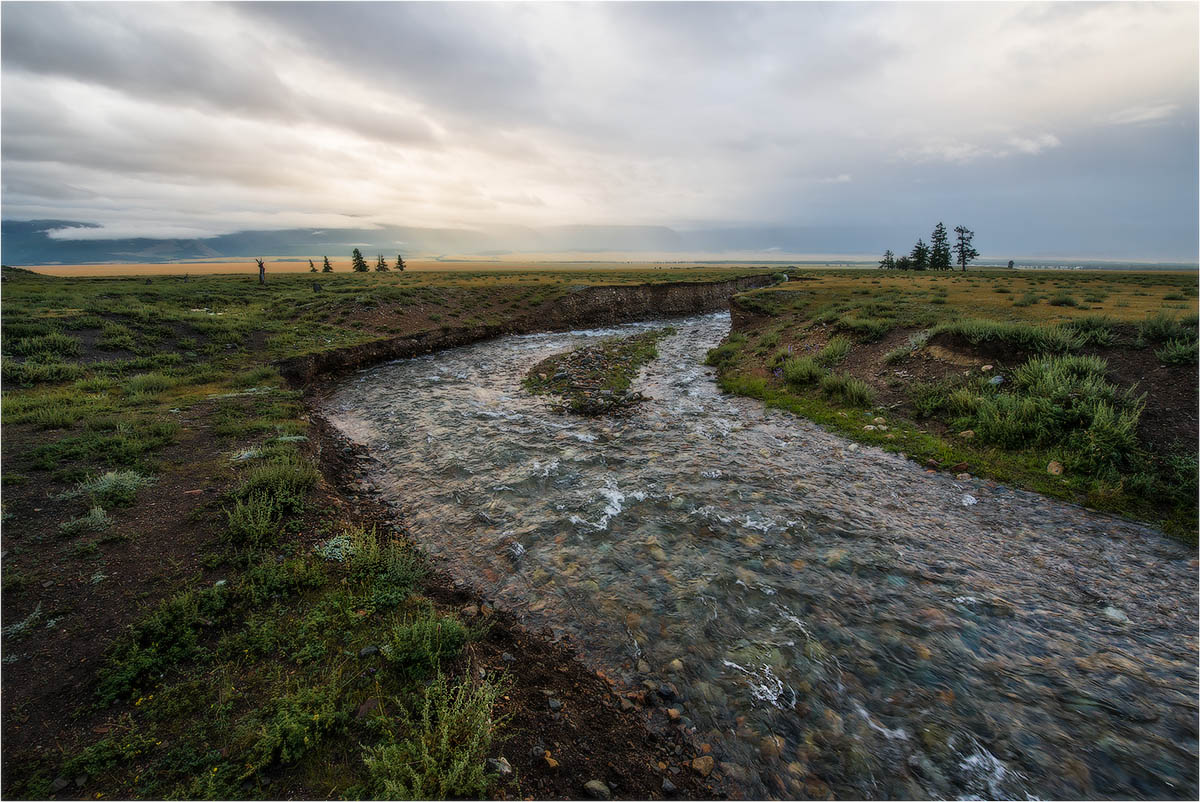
400 263
311 267
939 249
358 262
326 268
380 264
920 256
888 262
963 252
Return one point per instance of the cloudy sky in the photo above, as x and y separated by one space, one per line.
1032 123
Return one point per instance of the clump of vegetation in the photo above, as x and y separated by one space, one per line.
1025 336
866 329
802 370
439 750
96 520
1162 327
915 343
836 350
595 379
282 482
1178 352
1063 299
112 488
847 390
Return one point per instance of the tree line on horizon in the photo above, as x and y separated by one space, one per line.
937 254
359 265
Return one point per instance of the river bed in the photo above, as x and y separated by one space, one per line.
829 617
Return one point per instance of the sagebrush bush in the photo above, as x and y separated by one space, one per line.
440 751
254 521
417 646
285 479
112 489
1178 352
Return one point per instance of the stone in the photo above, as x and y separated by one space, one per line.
967 434
1054 468
470 610
367 651
500 765
59 784
961 466
550 762
643 667
675 665
1116 615
668 787
674 713
626 704
987 368
508 658
772 746
555 704
962 477
703 765
879 421
869 428
366 707
597 790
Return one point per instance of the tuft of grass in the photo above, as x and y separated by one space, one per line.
148 384
1094 329
847 390
284 479
866 329
254 521
443 749
1026 336
1163 327
1063 299
836 350
915 343
802 370
416 646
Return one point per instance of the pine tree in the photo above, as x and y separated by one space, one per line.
888 262
380 264
904 263
326 268
400 263
939 249
311 267
358 262
963 252
920 256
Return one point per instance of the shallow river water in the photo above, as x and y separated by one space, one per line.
829 617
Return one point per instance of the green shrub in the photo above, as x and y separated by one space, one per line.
1108 444
1063 299
30 373
802 370
284 479
847 389
1094 329
837 349
254 521
915 343
1028 299
166 637
148 384
1178 352
416 647
443 749
1163 327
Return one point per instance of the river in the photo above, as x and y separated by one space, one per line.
829 617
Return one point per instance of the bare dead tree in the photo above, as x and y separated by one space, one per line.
262 272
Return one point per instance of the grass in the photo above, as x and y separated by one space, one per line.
1055 401
112 488
595 379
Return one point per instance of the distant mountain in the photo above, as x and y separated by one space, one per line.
26 242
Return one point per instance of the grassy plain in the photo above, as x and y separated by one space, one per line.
1080 385
191 608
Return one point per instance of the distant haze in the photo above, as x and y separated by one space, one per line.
740 130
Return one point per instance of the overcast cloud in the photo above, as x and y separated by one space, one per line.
1020 120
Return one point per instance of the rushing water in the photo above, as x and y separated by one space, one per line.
842 620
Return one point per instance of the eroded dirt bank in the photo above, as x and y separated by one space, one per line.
579 308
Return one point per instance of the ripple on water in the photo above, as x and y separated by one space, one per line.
829 614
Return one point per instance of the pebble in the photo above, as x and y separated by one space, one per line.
501 765
1054 468
962 477
668 787
703 765
967 434
1116 615
597 790
555 704
675 665
367 651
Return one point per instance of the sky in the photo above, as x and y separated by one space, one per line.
1041 126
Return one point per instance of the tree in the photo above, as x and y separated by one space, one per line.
358 262
400 263
920 256
262 272
888 262
380 264
1010 264
904 263
326 268
939 249
311 267
963 252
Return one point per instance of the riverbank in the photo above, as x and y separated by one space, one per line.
1080 387
200 598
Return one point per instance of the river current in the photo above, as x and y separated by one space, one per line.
829 617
